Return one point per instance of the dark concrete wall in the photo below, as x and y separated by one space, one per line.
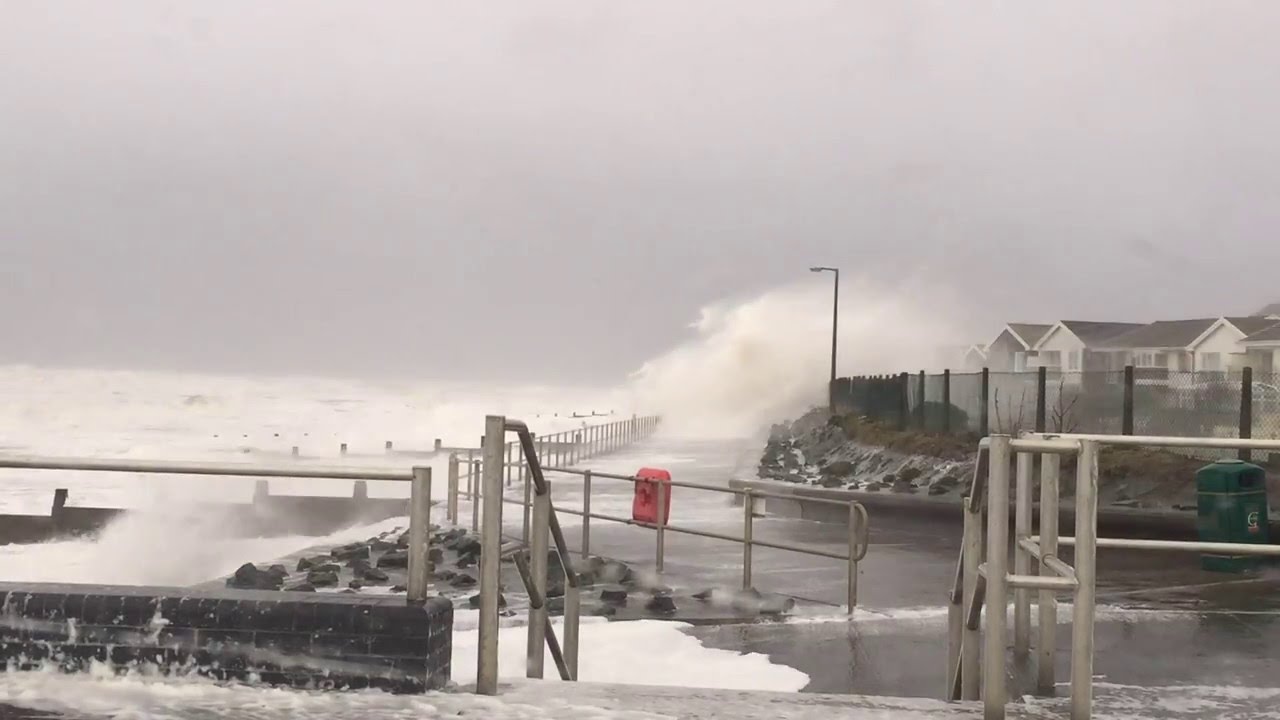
320 640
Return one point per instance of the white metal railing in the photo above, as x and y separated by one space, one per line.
562 448
534 575
418 477
988 583
858 536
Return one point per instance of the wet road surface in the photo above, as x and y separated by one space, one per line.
1161 620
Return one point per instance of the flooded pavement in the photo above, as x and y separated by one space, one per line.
1162 620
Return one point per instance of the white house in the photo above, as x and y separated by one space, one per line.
1262 349
1204 344
1011 351
1078 345
975 358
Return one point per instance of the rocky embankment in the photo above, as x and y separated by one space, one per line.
611 588
854 453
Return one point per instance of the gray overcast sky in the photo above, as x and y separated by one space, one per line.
435 187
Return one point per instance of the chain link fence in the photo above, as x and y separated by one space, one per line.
1139 401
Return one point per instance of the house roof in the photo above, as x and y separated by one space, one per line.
1271 334
1094 334
1251 325
1162 334
1029 333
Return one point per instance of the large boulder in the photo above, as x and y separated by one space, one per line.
249 577
351 552
394 559
323 578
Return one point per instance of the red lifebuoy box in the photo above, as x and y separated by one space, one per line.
644 506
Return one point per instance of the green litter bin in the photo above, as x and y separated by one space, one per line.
1232 504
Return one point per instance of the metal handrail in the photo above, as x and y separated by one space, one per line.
858 539
419 492
989 583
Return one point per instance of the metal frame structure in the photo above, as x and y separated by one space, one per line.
859 525
988 583
419 492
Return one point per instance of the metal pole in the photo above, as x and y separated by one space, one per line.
490 557
855 520
507 466
471 488
1042 397
984 414
419 532
1021 558
1246 410
1046 646
528 503
661 523
481 492
835 331
994 692
586 513
972 637
1086 575
453 489
748 516
538 569
1126 412
946 401
572 613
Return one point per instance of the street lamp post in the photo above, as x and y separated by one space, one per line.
835 326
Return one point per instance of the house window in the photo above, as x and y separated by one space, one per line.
1162 360
1019 361
1073 360
1051 358
1211 362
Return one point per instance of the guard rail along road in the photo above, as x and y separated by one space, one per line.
982 577
541 524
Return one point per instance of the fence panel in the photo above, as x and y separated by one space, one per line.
966 398
1266 405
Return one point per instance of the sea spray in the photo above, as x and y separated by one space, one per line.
764 360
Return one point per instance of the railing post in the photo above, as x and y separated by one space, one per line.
490 557
576 454
419 532
660 523
471 480
920 417
572 611
1024 502
970 673
1046 646
748 516
481 491
851 589
506 467
538 570
527 507
1086 575
994 691
586 513
453 489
